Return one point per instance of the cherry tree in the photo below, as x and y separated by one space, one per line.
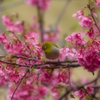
27 72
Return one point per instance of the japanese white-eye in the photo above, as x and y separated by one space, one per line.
51 50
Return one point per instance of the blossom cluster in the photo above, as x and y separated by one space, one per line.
25 67
21 44
86 51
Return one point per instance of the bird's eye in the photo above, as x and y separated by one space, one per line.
45 47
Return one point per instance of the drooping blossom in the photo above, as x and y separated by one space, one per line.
91 33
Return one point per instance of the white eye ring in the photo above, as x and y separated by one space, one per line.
45 47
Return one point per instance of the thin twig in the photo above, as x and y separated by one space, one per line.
79 86
93 17
19 84
54 27
25 46
19 56
40 20
66 93
87 92
61 14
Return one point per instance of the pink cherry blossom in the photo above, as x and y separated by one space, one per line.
74 36
76 39
63 77
70 53
3 38
86 22
94 14
89 90
89 59
80 94
7 21
90 33
42 78
95 29
79 14
83 80
18 27
52 36
97 3
55 93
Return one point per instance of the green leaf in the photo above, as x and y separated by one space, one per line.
87 97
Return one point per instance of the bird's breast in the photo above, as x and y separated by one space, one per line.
53 54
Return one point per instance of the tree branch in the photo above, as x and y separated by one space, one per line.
60 14
40 20
19 84
93 17
79 86
57 65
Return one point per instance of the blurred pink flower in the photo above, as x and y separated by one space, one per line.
43 4
86 22
7 21
78 15
97 3
90 33
3 38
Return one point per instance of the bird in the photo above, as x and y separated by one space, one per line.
51 51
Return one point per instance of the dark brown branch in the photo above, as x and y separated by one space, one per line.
19 84
61 14
40 20
94 80
57 65
24 57
19 56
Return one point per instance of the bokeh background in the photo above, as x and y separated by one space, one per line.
67 24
